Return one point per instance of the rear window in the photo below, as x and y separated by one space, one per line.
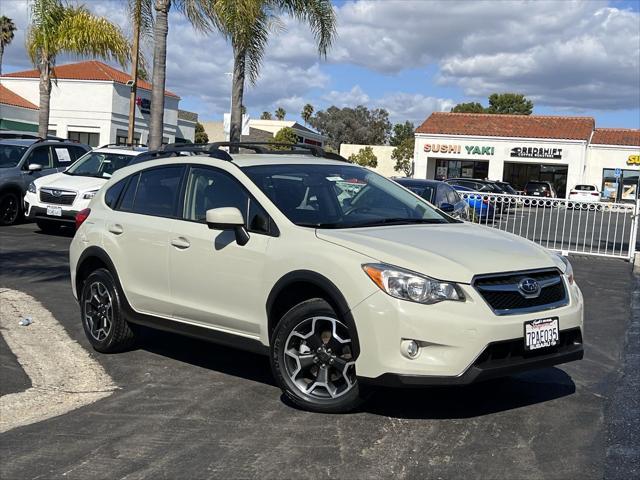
537 186
586 188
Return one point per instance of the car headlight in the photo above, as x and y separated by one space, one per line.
90 195
568 270
31 188
411 286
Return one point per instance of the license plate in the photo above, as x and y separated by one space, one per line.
541 333
54 211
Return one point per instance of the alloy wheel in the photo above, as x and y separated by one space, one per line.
318 358
9 209
98 311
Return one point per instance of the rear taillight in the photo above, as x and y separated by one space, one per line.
81 216
595 194
573 192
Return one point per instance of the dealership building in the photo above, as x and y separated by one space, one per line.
89 104
517 148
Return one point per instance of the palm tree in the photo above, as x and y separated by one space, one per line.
265 116
7 27
198 13
60 28
247 24
280 113
307 113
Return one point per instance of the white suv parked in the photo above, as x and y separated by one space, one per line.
343 277
54 200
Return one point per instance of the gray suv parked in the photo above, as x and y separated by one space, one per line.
24 159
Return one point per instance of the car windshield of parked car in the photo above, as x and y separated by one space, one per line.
507 188
99 164
329 196
10 155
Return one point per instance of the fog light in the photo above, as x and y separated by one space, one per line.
410 348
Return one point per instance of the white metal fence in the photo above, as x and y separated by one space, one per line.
588 228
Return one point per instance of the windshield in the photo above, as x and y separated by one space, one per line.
330 196
10 155
99 164
507 188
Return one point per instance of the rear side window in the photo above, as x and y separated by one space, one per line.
130 194
158 192
112 195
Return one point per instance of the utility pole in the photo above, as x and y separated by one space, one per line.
134 72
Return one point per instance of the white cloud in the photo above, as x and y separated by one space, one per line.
355 96
413 107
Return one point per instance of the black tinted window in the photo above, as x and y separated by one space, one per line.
111 197
40 156
62 156
130 194
158 192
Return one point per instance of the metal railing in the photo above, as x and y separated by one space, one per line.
588 228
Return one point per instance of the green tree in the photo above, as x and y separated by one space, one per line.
285 135
307 113
401 131
247 25
510 103
365 158
265 116
469 107
280 113
60 28
7 29
198 12
403 155
352 125
201 136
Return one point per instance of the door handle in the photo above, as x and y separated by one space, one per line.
181 243
116 229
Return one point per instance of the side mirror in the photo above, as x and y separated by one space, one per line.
34 167
447 207
228 218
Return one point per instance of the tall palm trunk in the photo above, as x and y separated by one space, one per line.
134 73
237 94
1 55
161 29
45 96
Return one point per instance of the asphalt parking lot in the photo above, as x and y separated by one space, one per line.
188 409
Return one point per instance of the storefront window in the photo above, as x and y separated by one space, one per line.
461 169
518 174
624 188
92 139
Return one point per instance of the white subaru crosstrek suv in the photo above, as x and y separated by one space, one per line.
343 277
54 200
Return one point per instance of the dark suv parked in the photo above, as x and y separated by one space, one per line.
540 189
24 159
439 194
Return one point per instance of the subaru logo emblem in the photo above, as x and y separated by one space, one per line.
529 288
56 193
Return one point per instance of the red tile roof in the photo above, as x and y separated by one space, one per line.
616 136
89 70
8 97
493 125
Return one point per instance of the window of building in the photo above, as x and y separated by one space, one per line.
620 189
518 174
92 139
461 169
122 137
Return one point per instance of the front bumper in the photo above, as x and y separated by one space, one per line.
34 212
460 342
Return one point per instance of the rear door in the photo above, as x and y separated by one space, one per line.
137 236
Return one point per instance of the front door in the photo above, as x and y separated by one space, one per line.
215 281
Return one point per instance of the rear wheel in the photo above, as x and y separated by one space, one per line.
102 319
48 226
312 358
10 208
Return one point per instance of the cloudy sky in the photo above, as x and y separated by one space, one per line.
414 57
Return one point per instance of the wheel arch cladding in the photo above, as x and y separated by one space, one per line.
90 260
300 285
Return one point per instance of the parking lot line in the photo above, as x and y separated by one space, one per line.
63 374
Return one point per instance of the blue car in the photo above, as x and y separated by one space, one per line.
480 208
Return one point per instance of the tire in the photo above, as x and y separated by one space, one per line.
325 353
96 314
10 208
48 226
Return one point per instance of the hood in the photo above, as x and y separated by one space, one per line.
454 252
70 182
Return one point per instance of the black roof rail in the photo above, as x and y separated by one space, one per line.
27 136
53 139
122 145
298 148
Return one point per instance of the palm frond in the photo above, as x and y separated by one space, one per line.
198 12
318 14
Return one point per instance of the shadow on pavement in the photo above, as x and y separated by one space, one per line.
36 265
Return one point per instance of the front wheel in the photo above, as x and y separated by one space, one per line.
312 358
10 208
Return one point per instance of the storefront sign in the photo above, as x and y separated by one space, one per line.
536 152
633 160
469 149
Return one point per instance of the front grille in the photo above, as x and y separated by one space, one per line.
502 294
57 197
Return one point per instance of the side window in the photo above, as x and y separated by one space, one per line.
112 195
208 188
441 195
40 156
62 156
158 191
452 196
130 194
